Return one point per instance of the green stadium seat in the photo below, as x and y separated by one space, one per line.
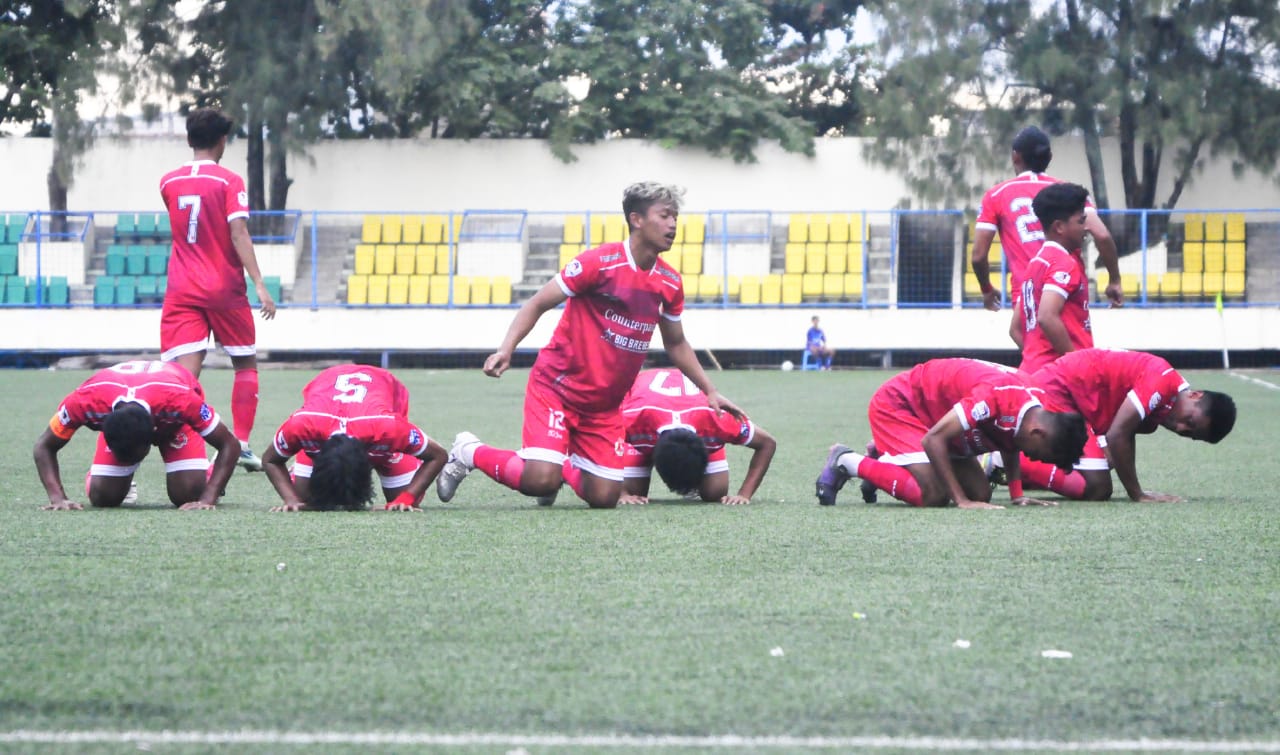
59 293
115 260
136 260
157 259
126 291
272 282
146 227
162 227
17 225
162 284
104 291
148 286
8 259
126 226
15 290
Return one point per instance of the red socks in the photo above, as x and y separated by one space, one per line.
244 403
503 466
573 478
1048 477
892 479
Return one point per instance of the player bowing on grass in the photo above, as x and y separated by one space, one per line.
134 406
671 428
928 424
354 420
618 294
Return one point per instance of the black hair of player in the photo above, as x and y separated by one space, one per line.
680 457
1032 145
1069 436
1060 201
1221 410
341 476
205 126
129 431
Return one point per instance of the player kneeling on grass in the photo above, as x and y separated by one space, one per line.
354 420
134 406
930 423
671 428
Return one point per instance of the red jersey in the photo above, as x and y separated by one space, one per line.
1054 272
989 399
365 403
665 399
204 269
1006 209
603 336
1097 382
172 395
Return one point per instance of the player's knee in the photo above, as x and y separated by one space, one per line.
100 500
1097 489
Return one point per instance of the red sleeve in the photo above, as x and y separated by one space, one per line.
288 441
1064 276
988 213
413 439
236 198
582 274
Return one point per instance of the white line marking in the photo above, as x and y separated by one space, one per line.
1255 381
622 740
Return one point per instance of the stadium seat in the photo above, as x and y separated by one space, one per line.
853 287
15 290
615 229
569 251
815 258
115 259
126 226
837 257
146 227
104 291
1153 285
481 291
695 229
148 287
406 259
501 290
838 230
163 231
793 258
398 289
793 288
971 288
272 282
690 283
1193 285
749 290
8 259
390 229
833 286
811 286
377 289
1193 227
358 289
126 291
364 259
1129 285
798 229
444 254
1171 285
856 234
673 257
1211 283
1233 284
439 293
419 289
1215 257
1235 257
384 259
411 229
158 259
771 289
162 284
251 292
135 261
371 230
595 230
1193 257
574 229
1215 227
461 290
819 228
692 259
433 229
14 229
710 288
58 294
1235 226
855 257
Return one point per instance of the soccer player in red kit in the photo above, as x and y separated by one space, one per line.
929 424
671 428
1006 209
1054 316
618 294
134 406
212 250
354 420
1123 393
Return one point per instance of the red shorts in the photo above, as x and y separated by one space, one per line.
637 464
394 472
554 431
183 451
1094 457
896 430
185 329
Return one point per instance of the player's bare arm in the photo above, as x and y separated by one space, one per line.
224 463
682 356
1049 317
762 446
1013 471
243 242
936 444
635 491
547 298
433 458
273 464
46 457
980 262
1107 253
1122 455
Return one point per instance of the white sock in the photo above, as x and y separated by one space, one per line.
850 461
467 453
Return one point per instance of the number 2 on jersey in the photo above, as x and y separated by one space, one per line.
1025 217
192 201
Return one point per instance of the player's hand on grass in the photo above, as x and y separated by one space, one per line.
290 507
268 304
393 506
1029 501
1149 496
735 500
497 363
627 499
967 504
196 506
63 505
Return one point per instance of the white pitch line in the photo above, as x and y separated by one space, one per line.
626 741
1255 381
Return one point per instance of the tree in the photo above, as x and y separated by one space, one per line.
1169 80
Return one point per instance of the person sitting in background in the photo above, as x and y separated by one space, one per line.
816 344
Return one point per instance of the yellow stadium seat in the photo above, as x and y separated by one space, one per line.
1233 284
811 285
439 293
734 290
853 286
1193 257
377 289
1215 227
398 289
674 256
1128 284
411 229
406 259
838 231
461 289
798 229
971 287
371 229
419 289
690 284
444 263
1211 283
837 258
1171 284
364 259
856 221
855 257
574 229
501 293
792 288
692 263
833 286
424 259
819 228
794 258
815 258
1235 257
710 287
390 229
695 229
1215 256
749 290
358 289
1153 285
1192 285
596 228
384 259
568 252
615 229
1193 227
771 289
481 290
433 229
1235 226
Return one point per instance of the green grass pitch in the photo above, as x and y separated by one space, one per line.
493 615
